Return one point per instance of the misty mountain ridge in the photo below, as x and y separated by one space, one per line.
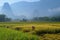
6 10
25 9
41 6
22 12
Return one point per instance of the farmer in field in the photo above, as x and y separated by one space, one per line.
33 27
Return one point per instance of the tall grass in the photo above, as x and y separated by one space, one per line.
8 34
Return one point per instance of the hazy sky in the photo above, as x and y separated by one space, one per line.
13 1
45 7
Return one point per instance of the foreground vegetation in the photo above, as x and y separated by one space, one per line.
8 34
29 30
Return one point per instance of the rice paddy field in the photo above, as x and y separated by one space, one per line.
29 30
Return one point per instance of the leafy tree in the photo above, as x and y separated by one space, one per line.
2 18
7 19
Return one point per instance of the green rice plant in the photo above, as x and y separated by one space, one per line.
8 34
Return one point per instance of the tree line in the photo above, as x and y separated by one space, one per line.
3 18
46 19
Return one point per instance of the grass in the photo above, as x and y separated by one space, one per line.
8 34
24 31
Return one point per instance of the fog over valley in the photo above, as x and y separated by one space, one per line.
24 9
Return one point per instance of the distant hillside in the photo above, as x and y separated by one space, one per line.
7 10
28 8
25 8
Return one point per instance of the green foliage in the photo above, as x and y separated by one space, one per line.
7 34
47 19
2 18
41 19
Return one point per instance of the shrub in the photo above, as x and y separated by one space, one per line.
18 28
25 30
